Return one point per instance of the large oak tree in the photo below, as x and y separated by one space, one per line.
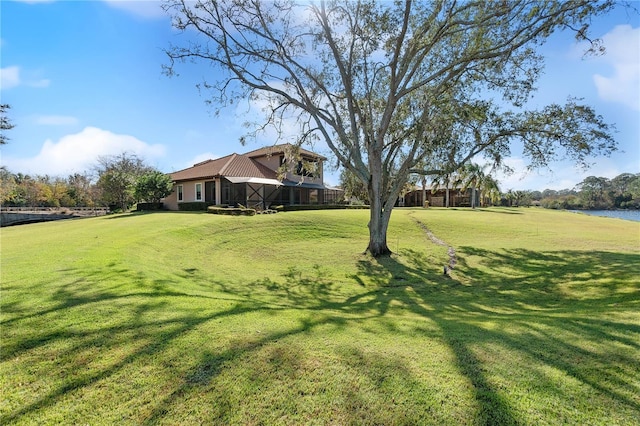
393 88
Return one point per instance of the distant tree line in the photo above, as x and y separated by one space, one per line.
117 181
594 193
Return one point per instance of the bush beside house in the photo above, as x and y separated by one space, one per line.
232 211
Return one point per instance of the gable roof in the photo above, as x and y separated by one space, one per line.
237 165
242 166
233 165
205 169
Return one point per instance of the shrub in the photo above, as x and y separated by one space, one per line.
267 211
232 211
317 207
142 207
196 206
153 186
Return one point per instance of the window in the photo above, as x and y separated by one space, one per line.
198 192
304 165
180 193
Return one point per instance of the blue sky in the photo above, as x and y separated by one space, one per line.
84 79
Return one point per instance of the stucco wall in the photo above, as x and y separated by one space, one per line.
171 202
272 161
188 194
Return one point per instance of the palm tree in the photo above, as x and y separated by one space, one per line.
472 176
489 190
439 181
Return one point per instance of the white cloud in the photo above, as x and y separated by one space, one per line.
55 120
9 77
78 152
623 55
150 9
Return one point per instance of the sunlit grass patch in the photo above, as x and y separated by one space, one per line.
189 318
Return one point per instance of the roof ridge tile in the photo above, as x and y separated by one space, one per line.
224 168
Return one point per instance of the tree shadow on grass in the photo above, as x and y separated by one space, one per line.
548 297
535 301
550 280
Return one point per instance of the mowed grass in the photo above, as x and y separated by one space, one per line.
187 318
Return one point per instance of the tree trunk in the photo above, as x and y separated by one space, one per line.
378 224
379 212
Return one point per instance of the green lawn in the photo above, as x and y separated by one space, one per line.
189 318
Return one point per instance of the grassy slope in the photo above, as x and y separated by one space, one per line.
193 318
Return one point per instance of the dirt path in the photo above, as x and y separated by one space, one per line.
450 250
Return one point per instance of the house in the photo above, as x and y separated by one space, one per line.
438 197
275 175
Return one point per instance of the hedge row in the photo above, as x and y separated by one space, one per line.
212 208
196 206
144 207
319 207
232 211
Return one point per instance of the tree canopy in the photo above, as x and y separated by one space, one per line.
397 88
45 191
153 186
594 192
5 123
117 177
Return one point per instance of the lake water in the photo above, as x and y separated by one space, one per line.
619 214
